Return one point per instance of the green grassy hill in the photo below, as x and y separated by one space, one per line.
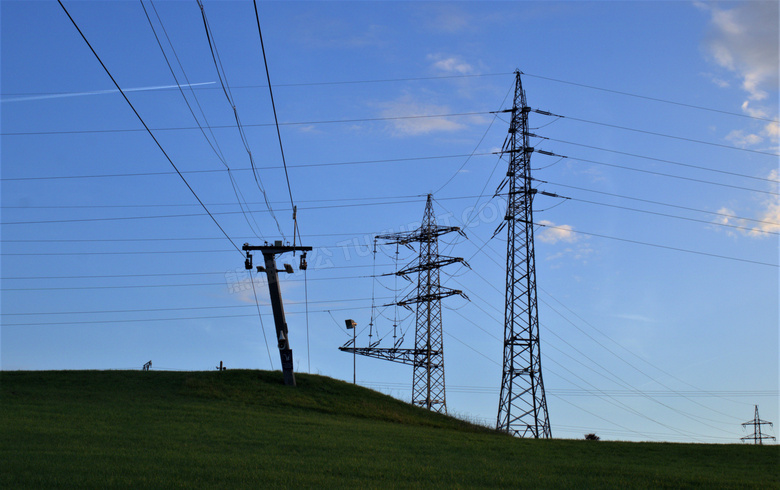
236 428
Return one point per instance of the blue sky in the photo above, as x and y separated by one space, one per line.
658 277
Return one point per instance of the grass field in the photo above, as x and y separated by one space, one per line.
231 429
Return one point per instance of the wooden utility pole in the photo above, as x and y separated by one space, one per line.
269 256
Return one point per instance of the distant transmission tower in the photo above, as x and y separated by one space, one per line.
427 356
522 406
757 437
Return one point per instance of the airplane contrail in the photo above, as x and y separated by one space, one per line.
100 92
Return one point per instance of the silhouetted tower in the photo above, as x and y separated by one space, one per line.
757 437
427 356
522 406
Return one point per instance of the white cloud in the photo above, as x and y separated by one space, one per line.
744 40
407 106
766 222
552 233
743 140
450 64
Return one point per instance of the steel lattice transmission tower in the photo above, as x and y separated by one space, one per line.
427 356
522 406
757 437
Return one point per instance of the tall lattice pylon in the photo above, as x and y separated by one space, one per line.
522 406
757 437
427 356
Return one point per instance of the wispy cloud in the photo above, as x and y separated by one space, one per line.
552 233
450 64
744 40
409 108
100 92
766 222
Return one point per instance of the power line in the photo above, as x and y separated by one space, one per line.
276 119
474 151
655 99
215 145
299 84
222 273
691 140
653 133
210 317
226 89
664 161
294 123
147 128
443 77
186 215
454 156
142 286
656 245
573 347
738 227
247 169
672 176
658 202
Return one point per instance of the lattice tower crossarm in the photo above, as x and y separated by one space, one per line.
522 407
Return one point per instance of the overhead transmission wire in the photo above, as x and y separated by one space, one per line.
619 380
551 226
611 400
619 344
653 133
222 76
633 366
155 310
276 119
215 148
715 213
585 333
130 286
737 227
442 77
215 145
669 162
290 123
392 160
148 320
286 176
655 99
492 285
476 147
609 375
147 127
322 269
662 174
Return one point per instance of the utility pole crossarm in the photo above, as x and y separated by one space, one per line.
275 249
